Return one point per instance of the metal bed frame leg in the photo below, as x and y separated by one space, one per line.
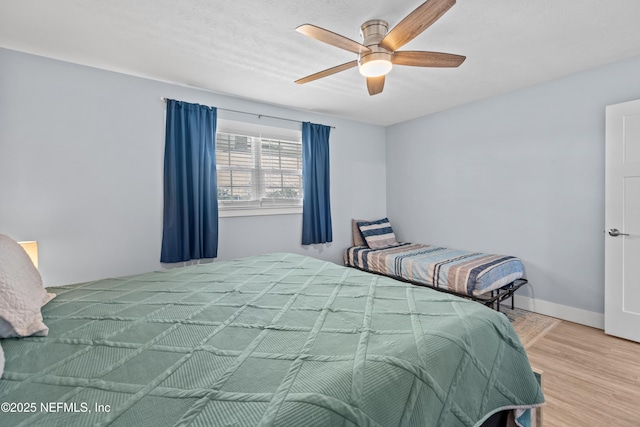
497 296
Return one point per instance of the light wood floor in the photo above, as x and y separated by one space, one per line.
590 379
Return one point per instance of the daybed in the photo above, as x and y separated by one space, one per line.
487 278
271 340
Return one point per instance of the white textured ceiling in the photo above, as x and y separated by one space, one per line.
250 49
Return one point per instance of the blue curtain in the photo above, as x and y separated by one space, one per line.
190 224
316 206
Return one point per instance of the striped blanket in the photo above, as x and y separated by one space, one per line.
463 272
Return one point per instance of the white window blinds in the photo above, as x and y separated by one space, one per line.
255 171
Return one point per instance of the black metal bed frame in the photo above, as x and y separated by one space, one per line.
492 301
501 294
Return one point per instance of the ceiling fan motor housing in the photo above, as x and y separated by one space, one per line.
372 32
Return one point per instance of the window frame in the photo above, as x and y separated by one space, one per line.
258 134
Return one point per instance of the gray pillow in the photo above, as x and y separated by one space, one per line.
356 236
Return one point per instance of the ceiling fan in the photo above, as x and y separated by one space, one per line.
378 51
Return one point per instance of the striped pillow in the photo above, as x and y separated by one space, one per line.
377 234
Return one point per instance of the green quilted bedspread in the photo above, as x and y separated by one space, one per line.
271 340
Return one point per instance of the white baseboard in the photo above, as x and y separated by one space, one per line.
564 312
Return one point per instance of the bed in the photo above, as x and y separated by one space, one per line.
269 340
489 278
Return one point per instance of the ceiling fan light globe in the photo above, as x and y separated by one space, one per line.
375 68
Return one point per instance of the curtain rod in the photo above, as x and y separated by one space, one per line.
255 114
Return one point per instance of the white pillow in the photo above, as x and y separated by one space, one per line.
21 293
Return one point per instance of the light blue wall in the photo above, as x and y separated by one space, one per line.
81 153
521 174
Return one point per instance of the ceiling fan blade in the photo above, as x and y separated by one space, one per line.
327 72
427 59
375 85
415 23
331 38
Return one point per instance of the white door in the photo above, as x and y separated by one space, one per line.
622 221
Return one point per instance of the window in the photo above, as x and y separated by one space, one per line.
258 173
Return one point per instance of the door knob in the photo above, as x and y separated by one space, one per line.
615 233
